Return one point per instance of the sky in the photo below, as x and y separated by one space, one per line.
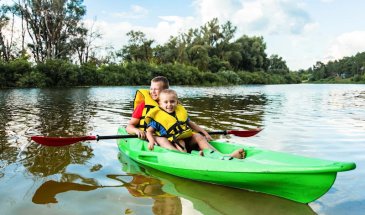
302 32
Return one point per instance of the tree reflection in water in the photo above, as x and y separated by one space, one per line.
48 112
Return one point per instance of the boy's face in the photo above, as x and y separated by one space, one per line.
155 89
168 102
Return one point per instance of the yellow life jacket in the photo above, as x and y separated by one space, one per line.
143 95
175 126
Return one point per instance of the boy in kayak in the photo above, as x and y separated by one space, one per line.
170 120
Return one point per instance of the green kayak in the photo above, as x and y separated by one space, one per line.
289 176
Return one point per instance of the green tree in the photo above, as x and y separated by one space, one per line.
11 72
252 50
58 73
167 53
138 48
211 36
52 25
277 65
199 56
192 40
319 71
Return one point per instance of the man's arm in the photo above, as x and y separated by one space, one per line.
132 124
132 129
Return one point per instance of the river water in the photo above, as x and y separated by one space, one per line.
325 121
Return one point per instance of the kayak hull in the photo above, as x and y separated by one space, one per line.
224 199
293 177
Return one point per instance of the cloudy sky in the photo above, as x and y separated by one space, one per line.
301 31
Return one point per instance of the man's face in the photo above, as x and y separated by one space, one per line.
155 89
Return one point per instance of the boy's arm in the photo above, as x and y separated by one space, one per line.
151 139
199 129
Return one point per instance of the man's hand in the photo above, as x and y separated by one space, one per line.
140 134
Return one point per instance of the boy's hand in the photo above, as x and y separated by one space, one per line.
151 145
207 136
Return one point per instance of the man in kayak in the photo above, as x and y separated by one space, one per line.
170 120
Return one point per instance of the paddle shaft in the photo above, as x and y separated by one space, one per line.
115 137
218 132
135 136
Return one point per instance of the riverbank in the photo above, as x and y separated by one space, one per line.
58 73
338 80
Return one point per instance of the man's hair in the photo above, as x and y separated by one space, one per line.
162 79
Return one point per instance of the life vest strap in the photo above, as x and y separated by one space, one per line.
176 127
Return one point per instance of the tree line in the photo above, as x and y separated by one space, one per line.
53 47
346 70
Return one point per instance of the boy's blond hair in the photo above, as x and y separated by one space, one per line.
169 91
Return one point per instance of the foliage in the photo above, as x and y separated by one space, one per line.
32 79
53 26
88 75
11 72
229 77
253 53
277 65
138 49
347 69
58 73
61 73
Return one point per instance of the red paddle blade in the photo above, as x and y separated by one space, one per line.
60 141
247 133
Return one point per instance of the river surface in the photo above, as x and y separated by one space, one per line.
325 121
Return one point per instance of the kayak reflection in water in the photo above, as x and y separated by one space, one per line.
47 192
143 186
140 186
170 120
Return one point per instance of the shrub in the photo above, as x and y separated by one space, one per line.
58 73
32 79
229 77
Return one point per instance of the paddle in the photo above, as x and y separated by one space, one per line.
64 141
